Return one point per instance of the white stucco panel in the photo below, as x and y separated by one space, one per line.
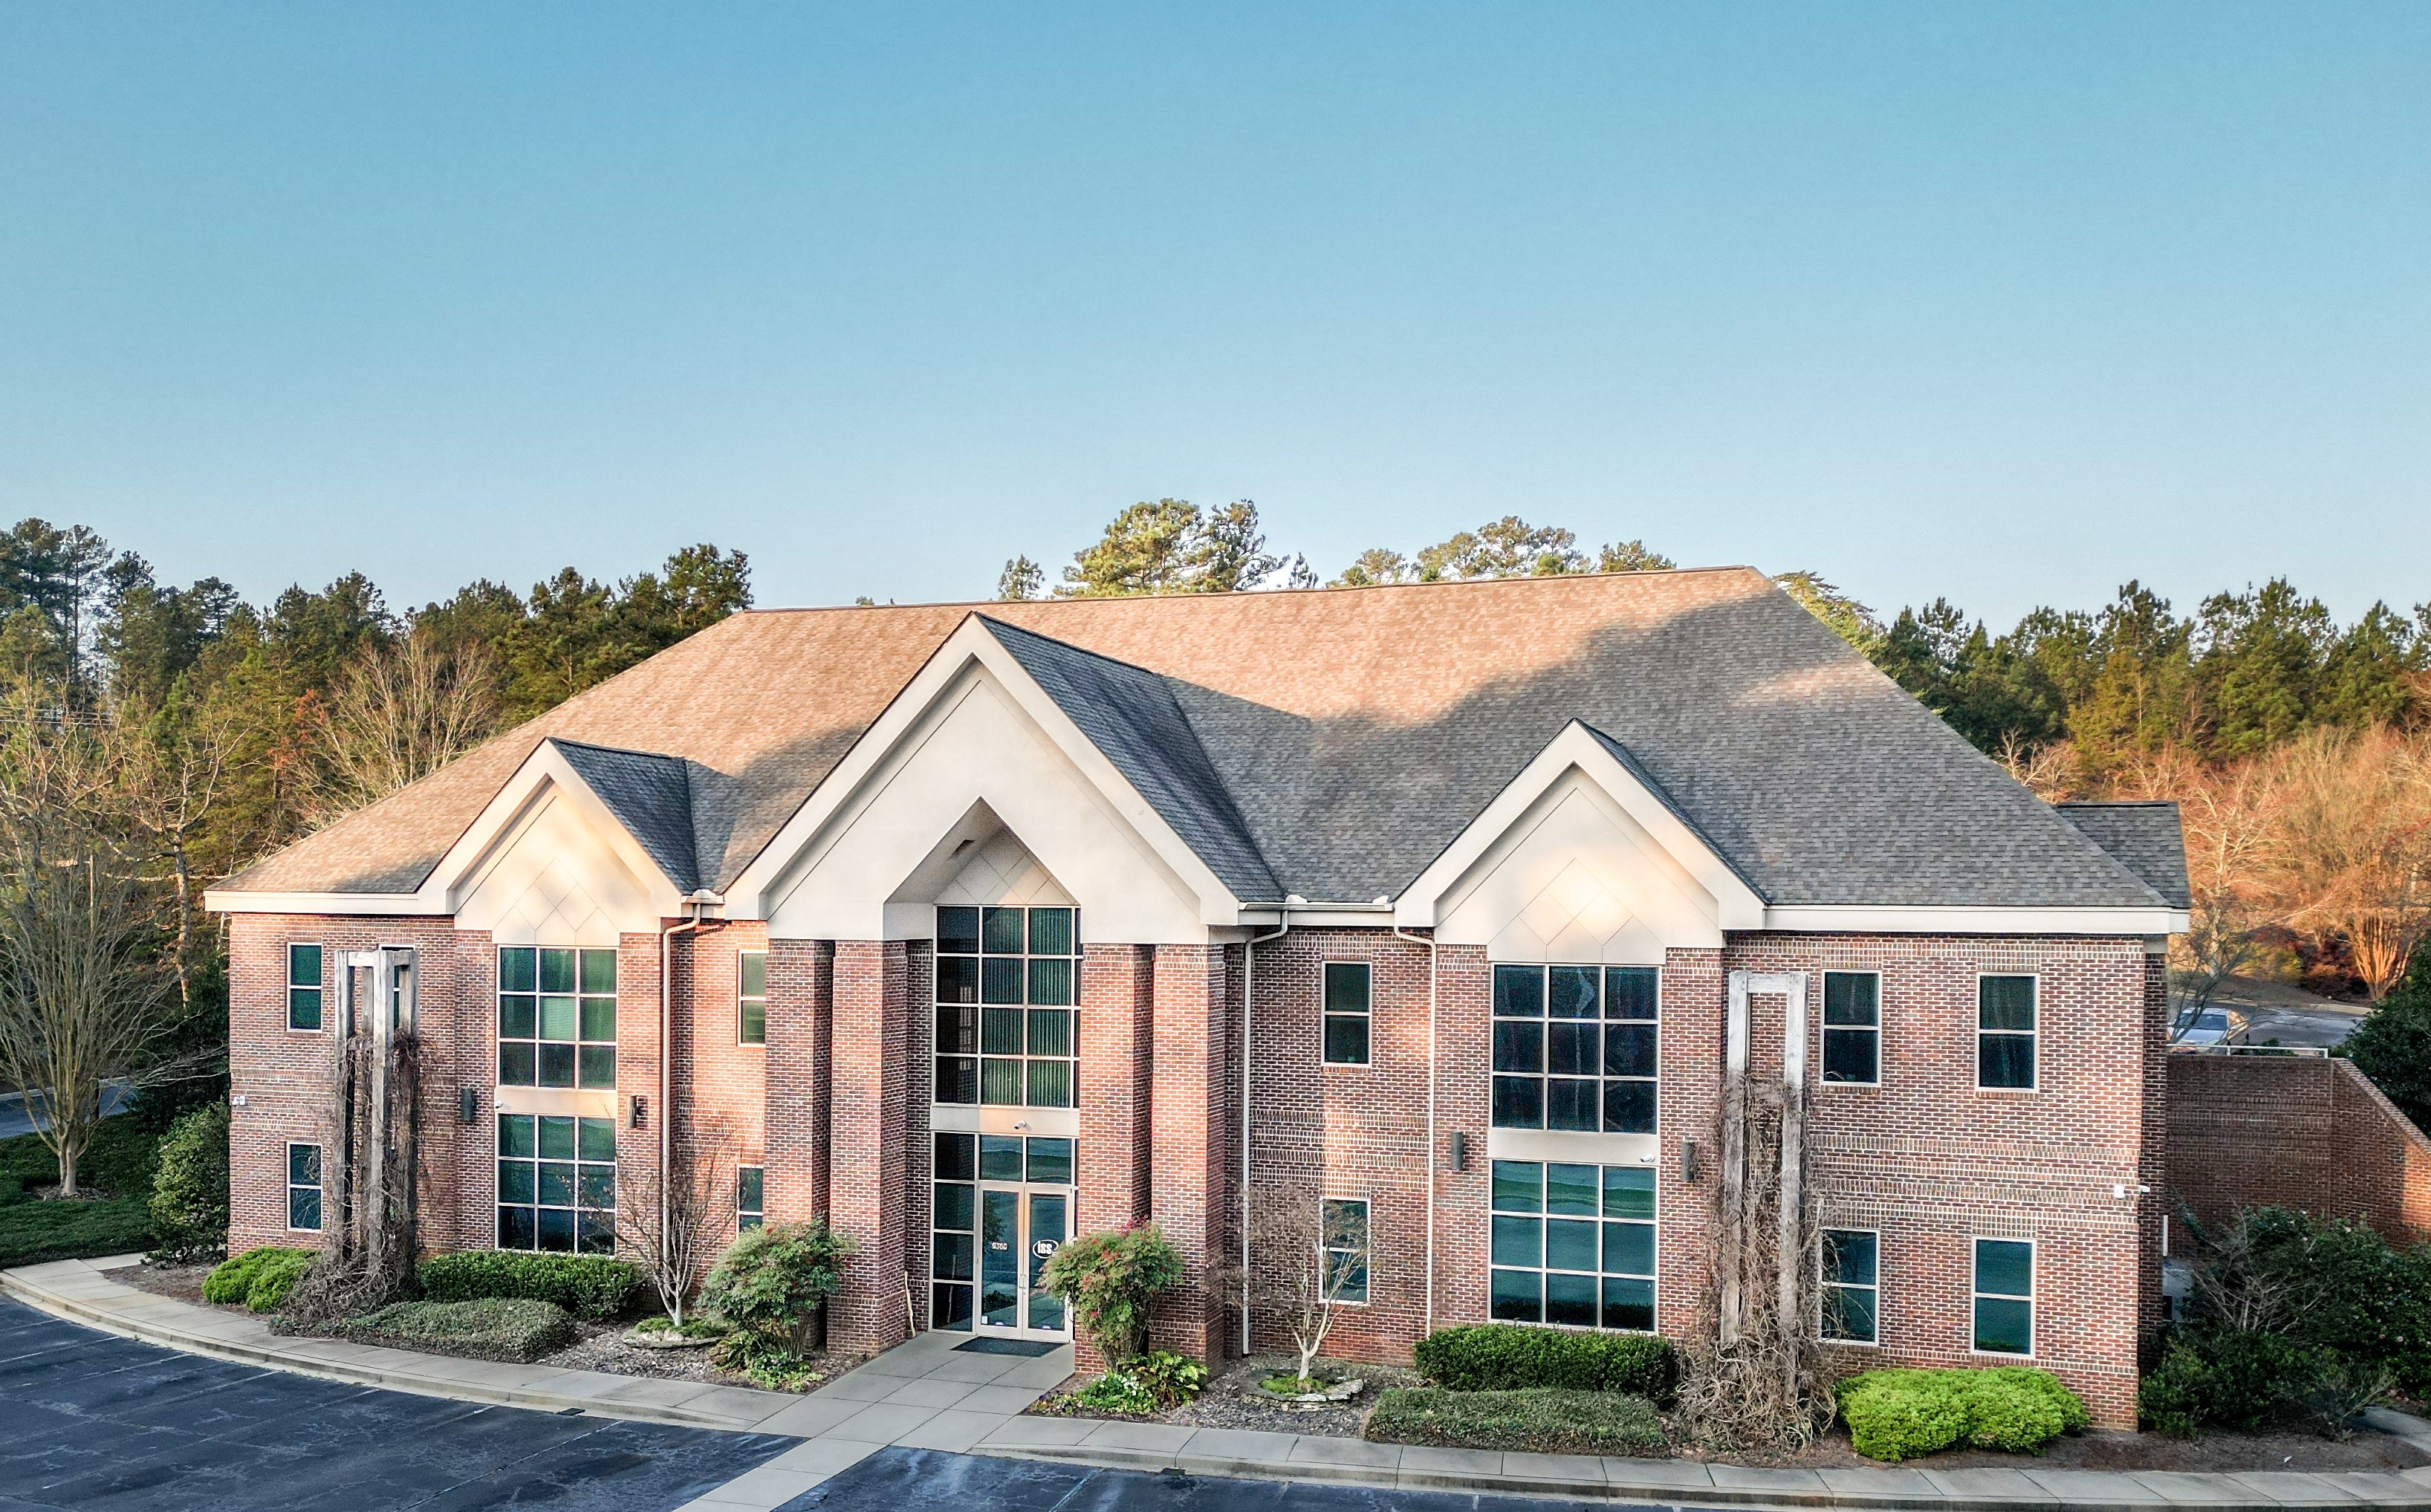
978 768
1002 873
1578 880
553 881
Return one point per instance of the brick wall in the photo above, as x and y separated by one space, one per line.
2299 1132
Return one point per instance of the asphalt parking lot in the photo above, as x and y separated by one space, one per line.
97 1423
923 1480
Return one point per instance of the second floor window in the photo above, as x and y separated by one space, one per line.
557 1018
303 986
1345 1013
751 990
1853 1028
1006 985
2004 1032
1575 1047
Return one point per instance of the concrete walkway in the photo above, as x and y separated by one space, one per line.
931 1394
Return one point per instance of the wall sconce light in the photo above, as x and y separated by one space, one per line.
641 1112
1459 1151
468 1104
1688 1169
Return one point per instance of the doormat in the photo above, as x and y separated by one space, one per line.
1030 1346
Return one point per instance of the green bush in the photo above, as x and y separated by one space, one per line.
274 1278
2243 1379
189 1195
513 1329
232 1280
1540 1420
1899 1414
1514 1357
33 1232
587 1286
769 1283
2392 1044
1108 1280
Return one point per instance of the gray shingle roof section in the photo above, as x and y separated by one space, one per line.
1130 714
649 795
1637 769
2147 837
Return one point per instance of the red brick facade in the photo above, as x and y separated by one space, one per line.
2307 1133
836 1109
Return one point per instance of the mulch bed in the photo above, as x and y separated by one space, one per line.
2111 1450
1234 1399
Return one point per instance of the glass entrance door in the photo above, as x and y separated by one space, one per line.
1002 1207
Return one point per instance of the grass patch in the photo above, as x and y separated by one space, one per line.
34 1230
516 1330
1540 1420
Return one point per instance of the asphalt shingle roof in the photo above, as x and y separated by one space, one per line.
1353 732
650 795
2145 837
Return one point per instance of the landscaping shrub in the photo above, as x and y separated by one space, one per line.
769 1284
189 1195
2243 1379
1515 1357
587 1286
1899 1414
1108 1280
513 1329
1539 1421
233 1279
33 1231
275 1277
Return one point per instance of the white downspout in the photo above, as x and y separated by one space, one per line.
1249 1000
666 1054
1433 1056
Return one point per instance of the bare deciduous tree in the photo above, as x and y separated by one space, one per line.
674 1227
82 992
400 713
1311 1253
2353 850
2231 817
169 777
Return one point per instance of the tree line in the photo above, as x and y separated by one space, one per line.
2298 748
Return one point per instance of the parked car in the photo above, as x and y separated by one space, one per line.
2203 1028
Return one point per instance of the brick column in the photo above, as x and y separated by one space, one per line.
802 988
1116 1031
869 1143
1190 1140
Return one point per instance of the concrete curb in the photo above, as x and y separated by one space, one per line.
81 1292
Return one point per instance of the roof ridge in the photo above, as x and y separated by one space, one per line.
977 605
621 750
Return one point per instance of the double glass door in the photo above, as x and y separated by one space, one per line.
1002 1207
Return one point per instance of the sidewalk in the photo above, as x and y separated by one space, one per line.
929 1394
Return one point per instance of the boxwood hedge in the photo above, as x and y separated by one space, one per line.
1515 1357
587 1286
1540 1420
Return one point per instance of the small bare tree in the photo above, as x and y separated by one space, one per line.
1312 1253
170 773
82 992
674 1224
400 713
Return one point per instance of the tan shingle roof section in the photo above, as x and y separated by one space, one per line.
1357 732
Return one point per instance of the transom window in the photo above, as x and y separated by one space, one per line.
752 994
557 1018
1573 1245
1852 1285
1005 989
304 1188
2004 1296
1853 1028
750 1196
2004 1032
556 1183
303 986
1575 1047
1347 985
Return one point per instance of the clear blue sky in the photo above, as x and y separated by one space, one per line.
2006 302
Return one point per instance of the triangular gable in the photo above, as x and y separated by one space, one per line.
616 793
1606 763
1126 717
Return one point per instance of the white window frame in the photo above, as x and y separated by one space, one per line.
2033 1036
1824 1284
1545 1076
287 991
1654 1277
1830 1028
1324 1016
759 1215
1976 1294
1367 1245
319 1189
741 998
